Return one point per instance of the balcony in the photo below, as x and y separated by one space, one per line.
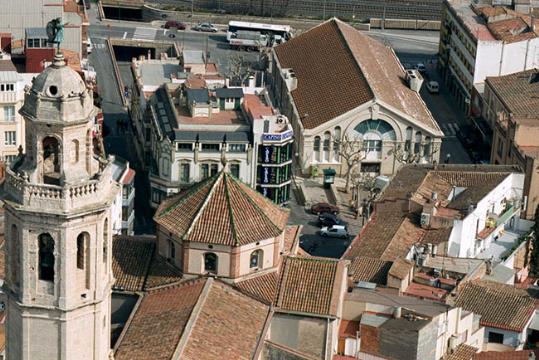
61 198
10 97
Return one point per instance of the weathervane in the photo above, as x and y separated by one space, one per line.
55 32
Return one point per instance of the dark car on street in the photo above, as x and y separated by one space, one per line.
324 208
328 219
171 24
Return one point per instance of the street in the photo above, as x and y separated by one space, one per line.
411 47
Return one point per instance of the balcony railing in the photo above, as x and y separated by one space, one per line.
45 196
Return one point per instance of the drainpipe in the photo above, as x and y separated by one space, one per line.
327 341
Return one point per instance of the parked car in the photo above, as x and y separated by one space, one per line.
338 231
172 24
421 68
89 46
324 208
433 87
205 27
329 219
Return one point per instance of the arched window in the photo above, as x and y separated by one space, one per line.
256 260
327 144
210 262
171 250
15 262
80 251
380 127
408 142
427 149
316 148
74 151
417 142
51 160
46 257
336 143
105 242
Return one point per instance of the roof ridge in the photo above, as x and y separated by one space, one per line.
280 280
238 183
175 285
204 204
150 263
183 198
193 317
230 212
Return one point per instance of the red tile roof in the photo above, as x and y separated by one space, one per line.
229 325
370 269
128 177
262 287
136 266
158 323
463 352
348 328
500 305
310 285
224 323
339 68
222 210
506 355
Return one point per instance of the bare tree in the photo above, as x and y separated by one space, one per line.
352 150
409 153
362 181
239 69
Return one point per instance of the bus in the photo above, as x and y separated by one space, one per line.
247 35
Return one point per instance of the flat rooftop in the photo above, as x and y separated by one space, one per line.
158 73
223 117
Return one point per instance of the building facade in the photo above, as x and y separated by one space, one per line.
511 108
59 242
330 104
11 100
123 207
478 40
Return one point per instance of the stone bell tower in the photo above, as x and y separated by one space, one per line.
57 227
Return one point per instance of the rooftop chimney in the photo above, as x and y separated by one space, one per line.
414 80
397 312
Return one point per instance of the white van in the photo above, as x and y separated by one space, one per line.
433 87
89 46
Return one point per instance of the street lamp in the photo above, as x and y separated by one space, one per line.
447 158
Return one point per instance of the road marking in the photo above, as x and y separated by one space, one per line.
450 129
125 35
144 34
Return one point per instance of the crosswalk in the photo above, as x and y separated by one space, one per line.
142 33
450 129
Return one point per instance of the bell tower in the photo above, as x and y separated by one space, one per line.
58 238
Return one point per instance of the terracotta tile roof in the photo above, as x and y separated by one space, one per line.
223 321
463 352
230 325
401 268
339 68
262 287
500 305
506 355
517 93
310 285
136 266
159 321
222 210
330 82
436 236
370 269
255 108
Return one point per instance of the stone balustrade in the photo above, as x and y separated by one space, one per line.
54 197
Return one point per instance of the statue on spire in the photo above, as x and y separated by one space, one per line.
55 32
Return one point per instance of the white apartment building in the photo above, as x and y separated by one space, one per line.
123 206
12 86
478 40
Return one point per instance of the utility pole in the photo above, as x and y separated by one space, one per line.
383 24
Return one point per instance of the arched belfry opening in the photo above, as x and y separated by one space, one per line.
51 160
